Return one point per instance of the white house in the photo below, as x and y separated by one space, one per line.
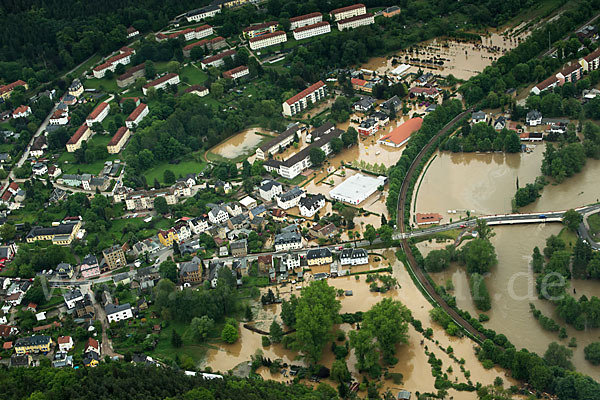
21 112
291 198
534 118
136 116
65 343
269 39
348 12
116 313
162 82
234 209
218 215
302 100
72 297
291 261
478 116
98 115
354 257
288 241
198 225
39 169
304 20
269 189
320 28
309 205
355 22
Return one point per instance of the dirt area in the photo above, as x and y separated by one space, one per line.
243 143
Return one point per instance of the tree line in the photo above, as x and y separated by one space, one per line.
482 137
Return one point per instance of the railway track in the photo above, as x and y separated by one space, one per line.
412 262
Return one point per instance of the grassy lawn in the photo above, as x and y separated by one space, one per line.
6 147
164 349
594 222
54 301
5 126
183 168
569 237
292 182
193 75
67 160
104 84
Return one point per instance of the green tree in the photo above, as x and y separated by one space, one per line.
8 232
168 176
537 262
201 327
387 321
168 270
176 339
275 332
217 90
479 255
592 353
128 106
559 356
370 233
367 358
229 334
350 137
317 156
572 219
386 233
316 312
337 145
150 70
160 205
484 231
339 371
437 260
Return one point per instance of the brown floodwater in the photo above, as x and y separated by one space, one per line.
241 143
412 358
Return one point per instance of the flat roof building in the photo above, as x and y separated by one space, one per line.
357 188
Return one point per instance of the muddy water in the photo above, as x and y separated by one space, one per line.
511 285
242 143
486 183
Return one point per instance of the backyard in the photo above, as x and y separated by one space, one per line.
181 168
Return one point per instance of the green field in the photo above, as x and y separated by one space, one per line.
569 237
67 160
95 59
193 75
183 168
103 85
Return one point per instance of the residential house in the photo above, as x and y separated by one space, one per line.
278 215
317 133
265 263
426 92
323 232
546 84
214 269
319 256
39 145
364 104
237 72
119 140
92 345
305 32
428 218
218 215
534 118
590 62
288 241
15 298
89 267
191 271
7 253
225 187
91 359
218 60
121 279
354 257
167 238
301 101
290 261
198 225
310 205
478 116
21 360
233 209
248 202
132 32
116 313
8 330
81 135
355 22
305 20
259 211
500 123
239 248
348 12
62 360
393 103
114 257
98 114
21 112
33 344
202 13
137 116
124 57
39 169
291 198
259 29
269 189
65 271
84 309
163 82
65 343
6 90
71 297
368 127
267 40
61 235
572 73
277 144
391 11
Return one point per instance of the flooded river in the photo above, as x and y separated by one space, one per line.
485 184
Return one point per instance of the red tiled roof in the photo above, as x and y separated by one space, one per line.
55 324
217 39
135 99
305 16
6 196
313 26
403 132
593 55
359 82
267 36
13 186
219 56
117 136
77 135
131 71
32 305
571 68
355 18
7 345
58 114
160 80
136 113
193 88
63 339
21 109
92 342
11 86
305 92
175 35
547 82
112 60
94 114
231 72
200 43
428 217
131 29
420 90
5 330
265 259
260 26
349 8
202 28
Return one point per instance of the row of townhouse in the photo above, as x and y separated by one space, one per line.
304 99
209 44
278 143
217 60
82 134
305 20
237 73
136 116
131 75
162 82
98 114
117 142
124 57
85 181
188 34
200 14
267 40
355 22
6 90
299 162
571 73
305 32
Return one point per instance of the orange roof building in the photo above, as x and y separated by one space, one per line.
400 135
428 218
